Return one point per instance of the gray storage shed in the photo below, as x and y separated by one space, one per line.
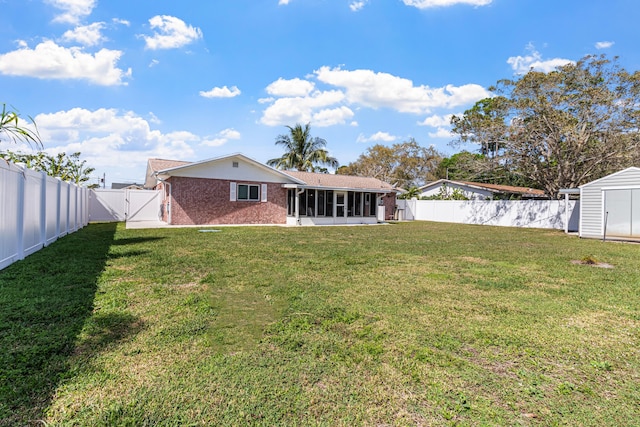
610 206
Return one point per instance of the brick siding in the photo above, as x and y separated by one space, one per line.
206 201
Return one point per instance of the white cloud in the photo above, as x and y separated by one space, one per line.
377 90
604 45
171 33
298 101
121 22
153 63
221 92
285 111
332 116
154 119
72 10
221 138
87 35
283 2
425 4
441 133
377 137
357 5
230 134
436 121
51 61
293 87
534 61
112 140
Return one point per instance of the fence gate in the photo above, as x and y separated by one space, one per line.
142 205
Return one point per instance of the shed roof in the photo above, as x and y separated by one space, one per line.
605 178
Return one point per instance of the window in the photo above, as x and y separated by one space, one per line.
291 202
311 202
249 192
354 203
321 202
372 205
302 203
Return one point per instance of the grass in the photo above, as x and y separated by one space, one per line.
406 324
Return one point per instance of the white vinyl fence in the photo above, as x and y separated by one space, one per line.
556 214
35 210
124 205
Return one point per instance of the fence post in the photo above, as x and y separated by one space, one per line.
58 207
68 201
43 209
20 208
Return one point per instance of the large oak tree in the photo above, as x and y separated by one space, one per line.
559 129
404 165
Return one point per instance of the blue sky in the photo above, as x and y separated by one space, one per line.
125 81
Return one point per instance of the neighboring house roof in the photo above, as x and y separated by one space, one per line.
125 186
324 180
508 189
494 188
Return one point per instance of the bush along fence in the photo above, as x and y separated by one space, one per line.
555 214
35 210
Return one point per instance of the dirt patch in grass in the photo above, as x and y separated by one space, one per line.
591 263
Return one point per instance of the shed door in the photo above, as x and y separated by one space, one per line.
622 212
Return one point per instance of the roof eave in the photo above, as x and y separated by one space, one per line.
320 187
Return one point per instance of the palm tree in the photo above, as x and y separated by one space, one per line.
12 129
302 152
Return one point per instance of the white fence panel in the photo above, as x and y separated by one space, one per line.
107 205
124 205
11 182
509 213
52 204
143 205
33 206
35 211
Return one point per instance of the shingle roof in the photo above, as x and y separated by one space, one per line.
339 181
161 164
155 165
317 180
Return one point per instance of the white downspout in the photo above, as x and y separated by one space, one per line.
170 198
298 193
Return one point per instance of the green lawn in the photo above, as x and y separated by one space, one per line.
395 325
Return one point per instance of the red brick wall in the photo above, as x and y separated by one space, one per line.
206 201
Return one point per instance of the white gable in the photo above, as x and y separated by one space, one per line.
234 167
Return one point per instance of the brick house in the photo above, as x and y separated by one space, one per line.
235 189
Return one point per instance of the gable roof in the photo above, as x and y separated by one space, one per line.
165 167
325 180
158 167
494 188
155 165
